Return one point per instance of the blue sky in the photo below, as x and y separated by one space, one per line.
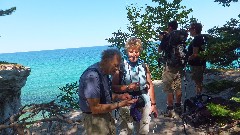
58 24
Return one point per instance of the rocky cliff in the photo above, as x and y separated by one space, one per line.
12 78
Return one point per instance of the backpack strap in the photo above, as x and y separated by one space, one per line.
121 81
145 68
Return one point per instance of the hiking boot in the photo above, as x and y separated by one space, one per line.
178 108
199 97
170 112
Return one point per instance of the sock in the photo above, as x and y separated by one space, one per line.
169 107
178 104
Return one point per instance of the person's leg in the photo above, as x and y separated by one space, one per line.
126 121
198 87
167 79
197 76
112 125
178 90
178 104
142 128
170 99
87 123
178 85
100 124
178 96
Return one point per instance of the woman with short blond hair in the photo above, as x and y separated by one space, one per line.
134 78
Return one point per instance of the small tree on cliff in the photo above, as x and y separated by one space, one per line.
7 12
145 23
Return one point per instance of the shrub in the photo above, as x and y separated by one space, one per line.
68 97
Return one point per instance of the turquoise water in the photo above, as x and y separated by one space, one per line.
52 69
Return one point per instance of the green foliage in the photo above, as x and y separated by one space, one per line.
223 111
222 45
235 99
7 12
217 110
224 114
219 86
146 23
225 2
68 97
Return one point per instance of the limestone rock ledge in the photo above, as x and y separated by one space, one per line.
12 78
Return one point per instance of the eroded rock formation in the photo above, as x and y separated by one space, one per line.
12 78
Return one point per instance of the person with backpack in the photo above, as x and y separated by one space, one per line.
173 68
95 95
197 64
134 78
163 37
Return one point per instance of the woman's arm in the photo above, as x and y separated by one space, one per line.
117 87
151 93
151 87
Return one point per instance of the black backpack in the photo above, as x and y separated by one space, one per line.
195 110
177 48
197 114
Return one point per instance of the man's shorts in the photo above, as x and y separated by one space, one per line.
171 78
197 73
99 124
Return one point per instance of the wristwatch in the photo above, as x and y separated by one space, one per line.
153 104
127 87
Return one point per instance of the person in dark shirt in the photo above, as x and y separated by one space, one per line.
171 76
197 64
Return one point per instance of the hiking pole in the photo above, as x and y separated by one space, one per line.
184 122
185 81
185 97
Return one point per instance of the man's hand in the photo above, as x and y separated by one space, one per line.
124 96
127 102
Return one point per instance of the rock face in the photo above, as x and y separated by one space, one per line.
12 78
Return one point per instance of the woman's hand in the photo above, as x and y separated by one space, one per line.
154 110
133 86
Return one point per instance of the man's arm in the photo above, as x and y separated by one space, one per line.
195 53
97 108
